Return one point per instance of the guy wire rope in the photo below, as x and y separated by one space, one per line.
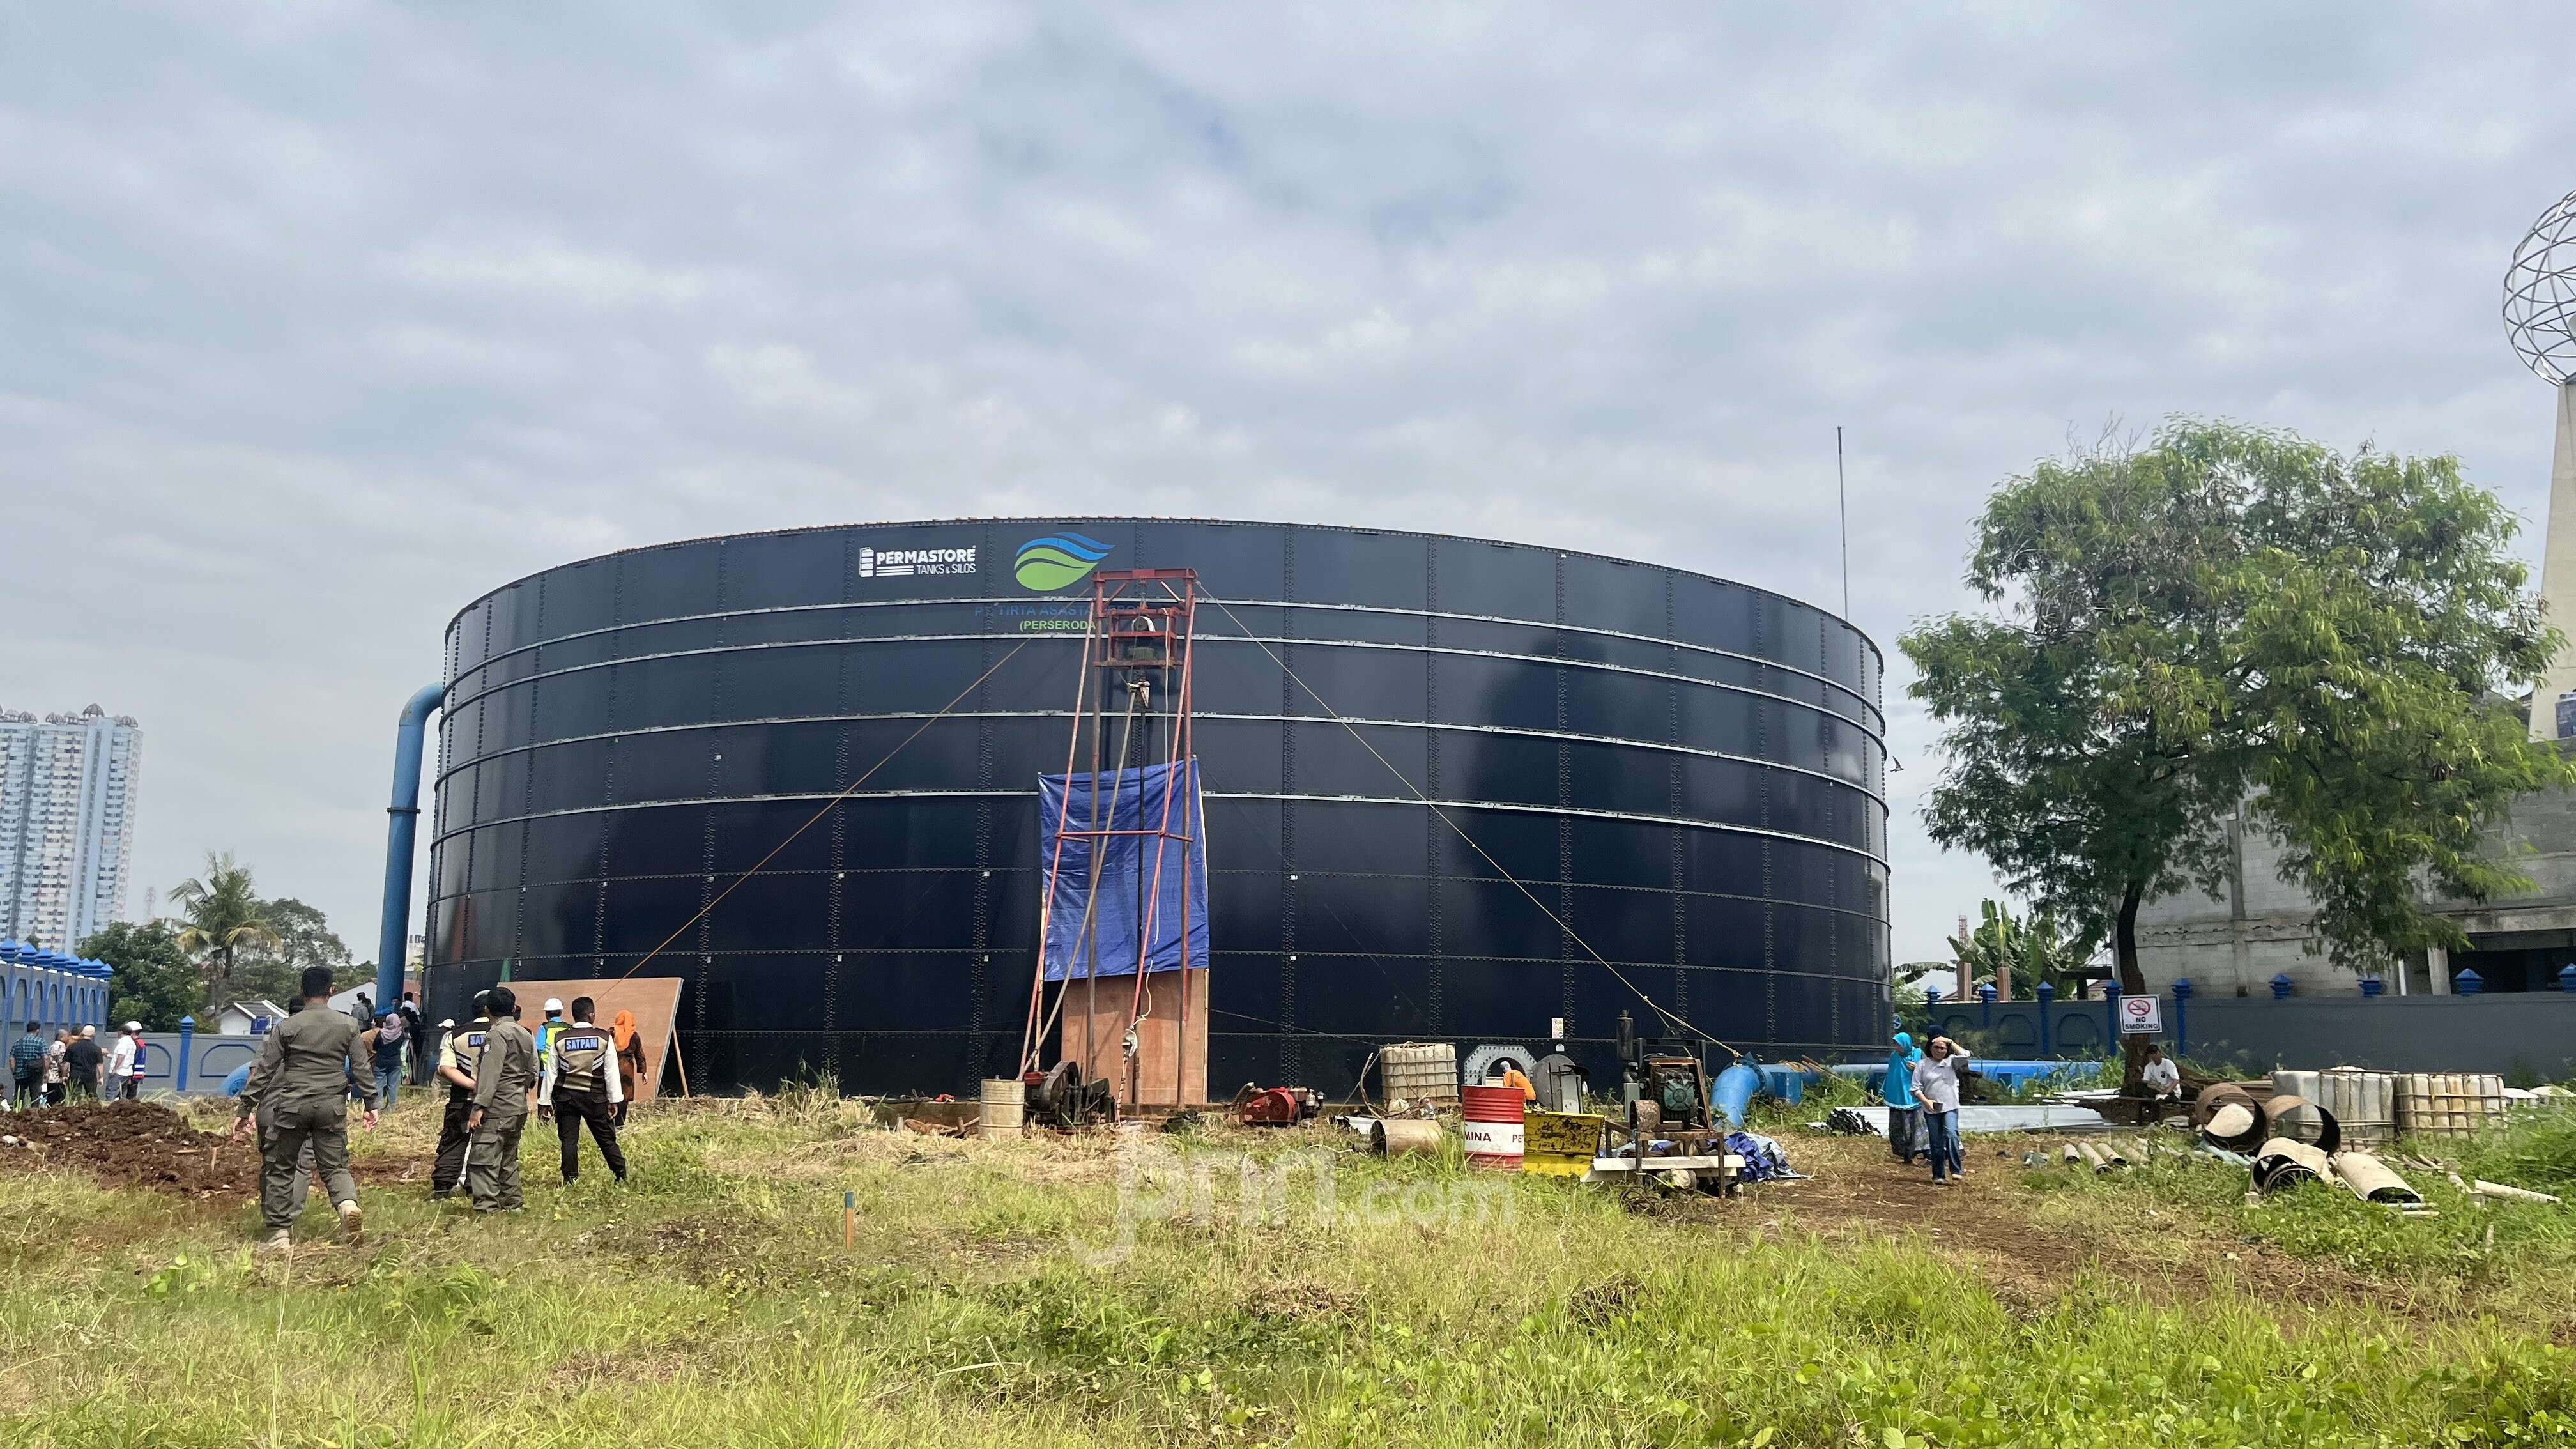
1570 933
1031 1030
828 807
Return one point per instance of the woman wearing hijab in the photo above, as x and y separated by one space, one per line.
630 1059
1904 1115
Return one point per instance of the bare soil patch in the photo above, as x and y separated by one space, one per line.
1992 1222
146 1145
131 1144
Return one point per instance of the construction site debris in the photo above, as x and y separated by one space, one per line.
2303 1120
2372 1180
2447 1104
2484 1188
2230 1116
1762 1158
2282 1163
2363 1103
1405 1138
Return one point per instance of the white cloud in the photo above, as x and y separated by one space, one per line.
323 326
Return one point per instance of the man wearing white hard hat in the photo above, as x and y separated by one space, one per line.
125 1063
551 1027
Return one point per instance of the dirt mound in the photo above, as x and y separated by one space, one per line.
139 1144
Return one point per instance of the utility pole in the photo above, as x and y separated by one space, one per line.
1842 507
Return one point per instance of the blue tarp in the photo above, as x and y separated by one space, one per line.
1134 800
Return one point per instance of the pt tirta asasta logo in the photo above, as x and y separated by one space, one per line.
1057 561
895 563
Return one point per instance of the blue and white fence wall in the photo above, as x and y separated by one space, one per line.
50 988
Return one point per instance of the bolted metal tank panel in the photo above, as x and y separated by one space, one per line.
1686 772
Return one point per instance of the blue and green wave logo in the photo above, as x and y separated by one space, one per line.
1057 561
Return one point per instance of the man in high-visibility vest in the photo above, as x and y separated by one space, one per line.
548 1029
581 1083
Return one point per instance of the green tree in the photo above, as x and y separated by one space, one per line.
2029 949
303 938
2229 616
154 983
223 919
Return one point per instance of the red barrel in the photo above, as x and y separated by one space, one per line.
1493 1127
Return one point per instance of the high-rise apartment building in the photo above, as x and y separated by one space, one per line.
67 794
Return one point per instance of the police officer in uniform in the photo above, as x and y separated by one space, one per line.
582 1084
301 1076
505 1071
456 1052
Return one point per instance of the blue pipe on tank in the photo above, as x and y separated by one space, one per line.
402 825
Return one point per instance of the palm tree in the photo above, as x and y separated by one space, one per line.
224 915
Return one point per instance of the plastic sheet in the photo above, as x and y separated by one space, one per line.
1132 800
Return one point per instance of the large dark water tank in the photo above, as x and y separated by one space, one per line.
1687 772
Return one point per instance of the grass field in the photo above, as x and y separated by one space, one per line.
987 1300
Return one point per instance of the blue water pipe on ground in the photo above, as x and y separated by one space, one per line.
401 827
1734 1088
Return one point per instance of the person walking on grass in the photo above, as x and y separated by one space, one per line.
1936 1083
1904 1118
505 1071
27 1066
388 1056
581 1084
302 1076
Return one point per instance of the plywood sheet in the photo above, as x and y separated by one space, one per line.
655 1000
1159 1048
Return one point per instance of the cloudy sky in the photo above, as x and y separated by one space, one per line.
318 320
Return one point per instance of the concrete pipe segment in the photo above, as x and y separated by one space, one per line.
2371 1180
2301 1120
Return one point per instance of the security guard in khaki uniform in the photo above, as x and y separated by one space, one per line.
455 1053
302 1076
582 1084
505 1071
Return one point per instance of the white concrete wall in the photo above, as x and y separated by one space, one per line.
2261 925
